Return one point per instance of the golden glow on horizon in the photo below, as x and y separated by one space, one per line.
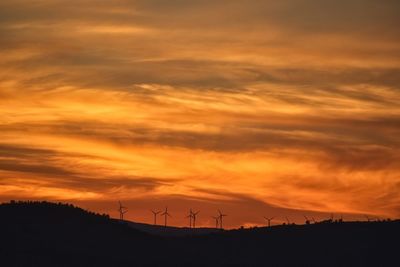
266 115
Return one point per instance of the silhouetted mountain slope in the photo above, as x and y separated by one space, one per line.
47 234
171 231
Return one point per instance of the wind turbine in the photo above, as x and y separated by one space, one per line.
269 220
216 218
190 216
166 215
122 210
313 220
155 216
287 219
368 218
221 216
194 214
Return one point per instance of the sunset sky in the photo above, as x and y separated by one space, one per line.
258 108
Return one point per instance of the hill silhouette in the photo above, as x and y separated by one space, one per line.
52 234
171 231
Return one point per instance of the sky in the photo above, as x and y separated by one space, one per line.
258 108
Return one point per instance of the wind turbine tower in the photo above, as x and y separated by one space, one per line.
269 220
221 216
194 214
216 218
166 215
155 213
190 216
122 210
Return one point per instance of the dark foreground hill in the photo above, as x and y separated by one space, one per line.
169 231
48 234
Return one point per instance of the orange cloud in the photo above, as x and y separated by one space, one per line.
286 113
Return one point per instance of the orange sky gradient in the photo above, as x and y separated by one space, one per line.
258 108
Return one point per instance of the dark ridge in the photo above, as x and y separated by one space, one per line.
54 234
171 231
